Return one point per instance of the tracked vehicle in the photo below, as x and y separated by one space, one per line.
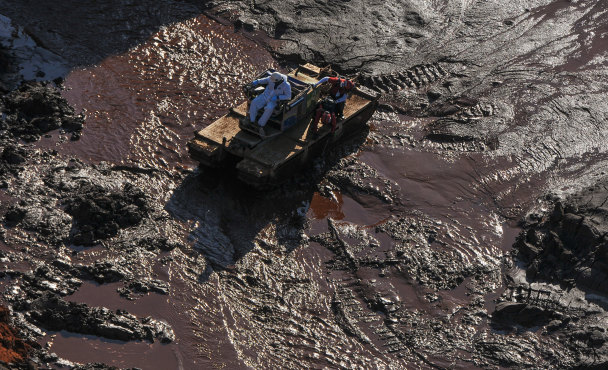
288 143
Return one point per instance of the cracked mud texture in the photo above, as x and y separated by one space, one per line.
394 250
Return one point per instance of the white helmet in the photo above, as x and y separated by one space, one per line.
276 77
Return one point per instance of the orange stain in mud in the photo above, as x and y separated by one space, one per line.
322 207
12 348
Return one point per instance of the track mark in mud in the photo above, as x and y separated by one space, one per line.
414 78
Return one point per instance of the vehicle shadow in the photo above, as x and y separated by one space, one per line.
228 215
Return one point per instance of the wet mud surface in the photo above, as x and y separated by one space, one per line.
464 228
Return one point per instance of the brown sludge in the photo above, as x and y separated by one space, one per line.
465 228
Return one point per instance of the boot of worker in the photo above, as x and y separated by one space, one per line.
340 111
333 123
315 123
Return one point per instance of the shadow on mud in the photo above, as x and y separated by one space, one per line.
73 29
229 217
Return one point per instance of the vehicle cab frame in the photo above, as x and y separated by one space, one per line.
287 113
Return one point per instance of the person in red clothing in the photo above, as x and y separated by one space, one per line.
339 91
326 112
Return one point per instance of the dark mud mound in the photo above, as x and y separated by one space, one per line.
13 155
46 221
36 108
99 213
562 300
570 246
54 313
12 158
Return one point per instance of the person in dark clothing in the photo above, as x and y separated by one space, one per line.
339 91
326 113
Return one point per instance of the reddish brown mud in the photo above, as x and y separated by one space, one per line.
393 250
142 105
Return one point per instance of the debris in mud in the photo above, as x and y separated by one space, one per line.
13 349
99 213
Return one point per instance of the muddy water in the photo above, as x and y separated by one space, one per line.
88 348
143 105
590 31
477 215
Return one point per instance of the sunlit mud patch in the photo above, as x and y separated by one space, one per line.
144 105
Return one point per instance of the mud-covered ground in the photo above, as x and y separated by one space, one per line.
465 228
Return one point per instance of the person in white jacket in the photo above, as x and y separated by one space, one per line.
277 88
